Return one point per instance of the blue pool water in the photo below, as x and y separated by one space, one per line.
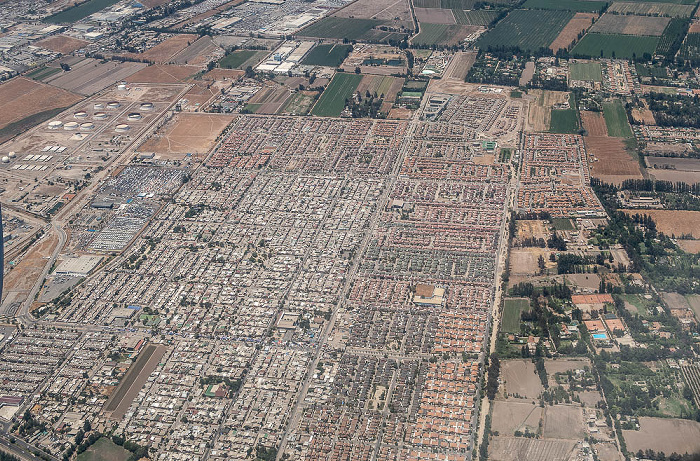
600 336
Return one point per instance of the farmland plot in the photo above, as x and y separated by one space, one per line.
526 29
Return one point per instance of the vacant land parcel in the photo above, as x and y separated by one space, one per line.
588 71
88 76
527 29
332 101
442 34
652 9
332 27
580 22
187 133
512 309
62 43
664 434
616 119
673 222
27 103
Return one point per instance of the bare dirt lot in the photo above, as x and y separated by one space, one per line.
158 73
694 27
526 229
193 133
689 177
164 51
524 261
564 422
630 25
520 448
62 44
435 15
564 365
612 162
270 99
510 416
23 98
580 21
199 53
675 300
460 65
89 76
594 123
689 246
540 113
219 74
396 11
664 434
520 378
674 222
694 301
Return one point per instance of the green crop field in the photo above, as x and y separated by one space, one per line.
44 72
562 224
332 27
672 37
614 45
436 34
616 120
475 17
590 71
237 58
327 55
512 308
569 5
691 47
563 121
332 101
79 12
526 29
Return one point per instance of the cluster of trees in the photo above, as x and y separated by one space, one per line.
650 185
494 371
674 110
368 106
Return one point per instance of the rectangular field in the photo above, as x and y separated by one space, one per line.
590 71
187 133
580 22
564 121
104 450
652 9
664 434
332 27
76 13
240 59
673 222
62 43
615 46
616 120
327 55
630 25
569 5
442 34
526 29
332 101
474 17
512 308
435 16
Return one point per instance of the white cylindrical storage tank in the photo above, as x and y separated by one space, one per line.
134 116
147 106
5 159
122 127
98 106
12 155
121 87
99 116
80 114
70 126
87 126
113 105
55 124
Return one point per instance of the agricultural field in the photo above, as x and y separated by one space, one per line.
589 71
43 73
615 46
526 29
565 120
300 103
616 119
165 50
652 9
339 28
691 47
331 55
396 13
664 434
569 5
474 17
580 22
442 34
435 16
512 308
630 25
673 222
241 59
162 73
614 161
519 377
332 101
76 13
672 38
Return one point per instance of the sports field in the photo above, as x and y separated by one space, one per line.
589 71
526 29
79 12
569 5
615 45
616 120
512 308
332 101
332 27
327 55
104 450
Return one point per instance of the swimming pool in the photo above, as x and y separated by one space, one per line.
600 336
